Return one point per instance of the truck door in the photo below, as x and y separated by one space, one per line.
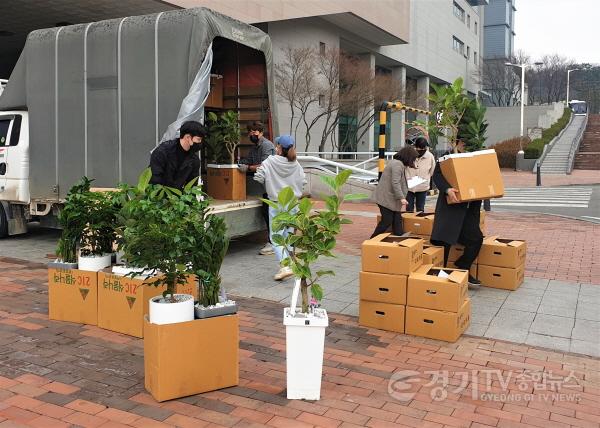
5 125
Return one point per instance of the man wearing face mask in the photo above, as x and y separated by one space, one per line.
424 167
175 163
261 149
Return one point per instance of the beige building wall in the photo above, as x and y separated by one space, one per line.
392 16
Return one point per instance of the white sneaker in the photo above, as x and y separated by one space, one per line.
283 273
267 250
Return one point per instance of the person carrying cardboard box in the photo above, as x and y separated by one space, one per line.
456 222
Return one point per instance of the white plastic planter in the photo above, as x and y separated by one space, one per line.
171 313
305 343
94 263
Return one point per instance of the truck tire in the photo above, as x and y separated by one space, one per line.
3 223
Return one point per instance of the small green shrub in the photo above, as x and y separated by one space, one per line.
507 151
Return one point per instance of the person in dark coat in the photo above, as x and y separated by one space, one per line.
390 193
175 163
457 222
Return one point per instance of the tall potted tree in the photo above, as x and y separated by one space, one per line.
224 179
314 237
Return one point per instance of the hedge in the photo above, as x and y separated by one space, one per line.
536 147
507 151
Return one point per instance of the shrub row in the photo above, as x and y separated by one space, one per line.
507 151
534 150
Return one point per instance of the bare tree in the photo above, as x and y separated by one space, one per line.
503 83
548 82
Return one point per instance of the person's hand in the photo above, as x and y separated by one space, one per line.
404 202
243 168
452 195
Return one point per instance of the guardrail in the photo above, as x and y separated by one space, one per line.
547 147
575 145
338 166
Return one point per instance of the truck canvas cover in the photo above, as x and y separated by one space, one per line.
101 96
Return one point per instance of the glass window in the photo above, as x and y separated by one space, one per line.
458 45
475 27
468 52
468 21
6 129
459 12
475 57
322 48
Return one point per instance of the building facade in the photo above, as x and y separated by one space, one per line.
499 29
417 42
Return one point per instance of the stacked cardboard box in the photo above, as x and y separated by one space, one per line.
437 303
502 263
387 260
420 224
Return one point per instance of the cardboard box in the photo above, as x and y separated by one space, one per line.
191 357
379 287
215 96
440 325
475 175
428 290
433 255
418 223
383 316
502 252
387 253
73 295
123 301
225 182
472 271
501 277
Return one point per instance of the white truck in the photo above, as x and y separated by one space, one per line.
94 99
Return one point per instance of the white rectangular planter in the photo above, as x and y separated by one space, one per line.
305 343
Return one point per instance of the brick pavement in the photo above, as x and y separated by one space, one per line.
55 374
558 248
528 179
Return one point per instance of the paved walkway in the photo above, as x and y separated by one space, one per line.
57 374
528 179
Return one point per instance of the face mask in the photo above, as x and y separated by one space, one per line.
195 148
254 138
421 152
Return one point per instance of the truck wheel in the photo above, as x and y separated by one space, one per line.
3 223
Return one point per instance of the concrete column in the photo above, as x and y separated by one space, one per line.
423 96
398 131
367 141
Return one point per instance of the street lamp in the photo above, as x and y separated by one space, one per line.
523 67
568 77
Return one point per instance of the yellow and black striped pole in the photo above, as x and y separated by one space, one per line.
390 105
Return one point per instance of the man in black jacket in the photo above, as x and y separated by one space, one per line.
175 163
457 222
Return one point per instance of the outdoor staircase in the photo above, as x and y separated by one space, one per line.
588 156
557 159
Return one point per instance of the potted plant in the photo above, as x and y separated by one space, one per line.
314 237
224 179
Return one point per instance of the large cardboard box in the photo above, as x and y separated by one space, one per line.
418 223
433 255
396 255
472 271
123 301
475 175
379 287
502 252
501 277
73 295
383 316
191 357
440 325
427 289
225 182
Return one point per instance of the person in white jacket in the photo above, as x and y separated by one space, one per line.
424 167
277 172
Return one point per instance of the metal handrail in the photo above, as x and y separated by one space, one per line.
547 147
575 145
338 166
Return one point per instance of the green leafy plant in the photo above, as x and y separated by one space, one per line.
448 105
472 127
223 137
315 232
171 234
88 222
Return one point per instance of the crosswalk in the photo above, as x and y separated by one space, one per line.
554 197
